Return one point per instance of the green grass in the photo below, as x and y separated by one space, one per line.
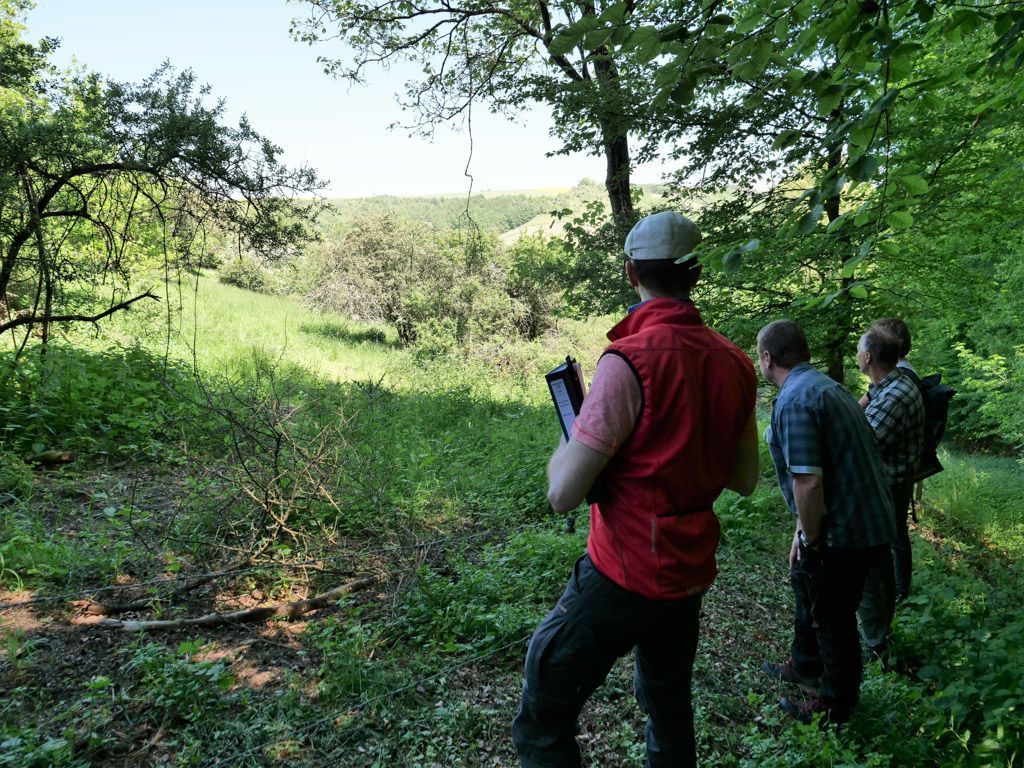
224 326
422 445
984 492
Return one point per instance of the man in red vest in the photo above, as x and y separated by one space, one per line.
667 424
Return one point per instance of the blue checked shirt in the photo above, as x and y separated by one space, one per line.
818 428
896 413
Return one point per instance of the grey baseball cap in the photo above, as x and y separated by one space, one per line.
665 235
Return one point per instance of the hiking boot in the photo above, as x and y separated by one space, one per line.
787 674
804 712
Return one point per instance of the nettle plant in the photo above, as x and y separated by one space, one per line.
178 686
972 656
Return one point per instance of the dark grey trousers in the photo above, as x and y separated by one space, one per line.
828 586
594 623
902 495
888 580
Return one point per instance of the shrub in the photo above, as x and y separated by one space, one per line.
15 477
972 659
746 519
535 283
400 272
27 748
492 598
435 337
990 399
245 273
366 272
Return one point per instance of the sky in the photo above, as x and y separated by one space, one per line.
243 50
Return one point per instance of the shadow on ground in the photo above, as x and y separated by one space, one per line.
335 331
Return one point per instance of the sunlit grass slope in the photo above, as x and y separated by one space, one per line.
222 327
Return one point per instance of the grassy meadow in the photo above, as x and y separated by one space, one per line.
313 440
223 327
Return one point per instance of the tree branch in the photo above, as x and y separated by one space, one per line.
33 318
284 610
21 237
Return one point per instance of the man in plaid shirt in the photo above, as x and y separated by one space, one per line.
895 411
832 478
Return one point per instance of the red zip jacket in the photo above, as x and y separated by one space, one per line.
656 534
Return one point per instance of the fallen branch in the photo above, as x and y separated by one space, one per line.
283 610
98 608
51 458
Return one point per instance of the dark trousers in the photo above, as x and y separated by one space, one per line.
877 605
594 623
902 493
828 588
888 579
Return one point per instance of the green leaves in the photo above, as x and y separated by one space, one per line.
863 167
566 38
787 139
645 43
888 247
733 259
850 267
899 219
563 42
675 32
750 58
830 98
727 259
759 58
809 221
614 14
913 184
903 60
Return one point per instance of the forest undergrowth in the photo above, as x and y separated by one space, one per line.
298 452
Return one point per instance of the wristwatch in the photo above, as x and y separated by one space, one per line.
805 542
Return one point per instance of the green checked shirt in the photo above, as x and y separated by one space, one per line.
818 428
896 413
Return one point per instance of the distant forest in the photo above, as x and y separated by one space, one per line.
491 212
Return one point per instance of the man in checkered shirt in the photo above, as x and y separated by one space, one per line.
832 478
895 411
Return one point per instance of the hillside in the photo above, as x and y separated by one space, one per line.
509 213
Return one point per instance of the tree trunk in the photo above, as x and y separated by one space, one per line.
835 351
615 141
616 180
835 360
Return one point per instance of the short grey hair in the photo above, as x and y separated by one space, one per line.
884 347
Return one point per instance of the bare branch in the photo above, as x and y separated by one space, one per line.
34 319
283 610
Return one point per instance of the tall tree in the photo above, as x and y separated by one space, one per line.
591 62
783 114
97 176
808 128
